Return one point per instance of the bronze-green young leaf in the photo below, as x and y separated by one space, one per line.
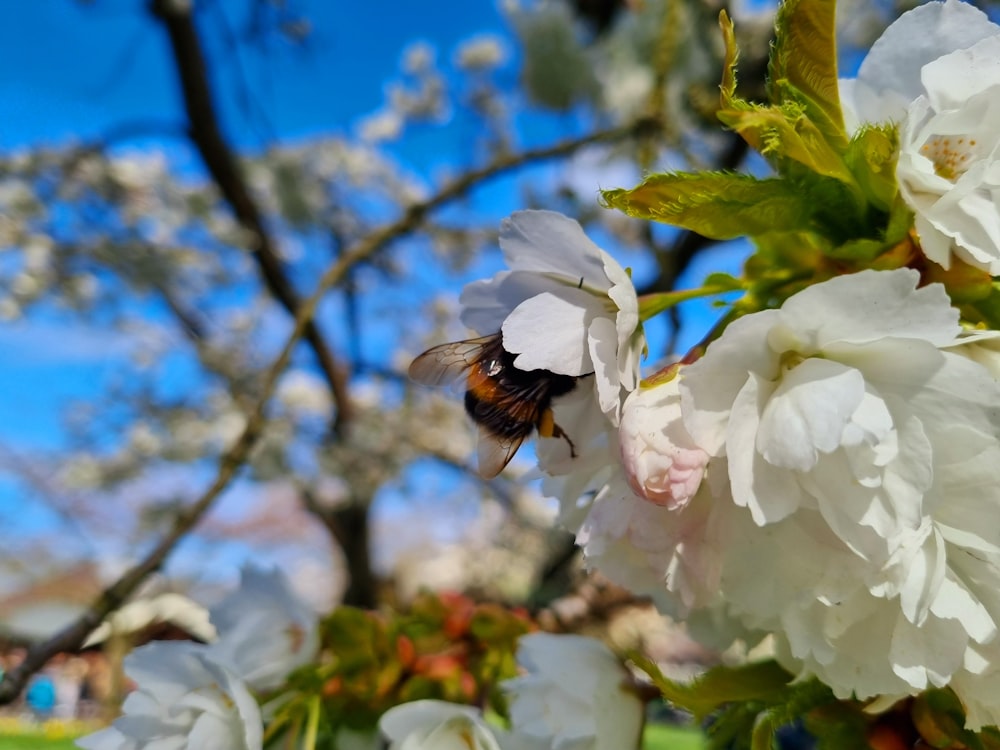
728 86
719 205
803 64
871 157
786 132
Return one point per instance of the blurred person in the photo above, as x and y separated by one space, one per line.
41 695
68 677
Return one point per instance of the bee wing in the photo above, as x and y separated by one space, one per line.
495 452
446 363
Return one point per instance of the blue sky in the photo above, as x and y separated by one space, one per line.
75 69
79 70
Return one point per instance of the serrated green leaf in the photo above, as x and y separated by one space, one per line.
785 131
871 156
761 681
729 60
803 64
354 636
758 681
719 205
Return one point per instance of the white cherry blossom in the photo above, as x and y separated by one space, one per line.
436 725
935 72
565 305
863 448
575 695
183 699
265 629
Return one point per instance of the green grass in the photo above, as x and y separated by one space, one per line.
34 742
664 737
657 737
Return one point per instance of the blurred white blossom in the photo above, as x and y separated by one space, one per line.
436 725
265 629
576 695
183 699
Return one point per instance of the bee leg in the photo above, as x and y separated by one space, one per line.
557 431
547 427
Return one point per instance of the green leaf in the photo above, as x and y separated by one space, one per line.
355 637
838 725
871 157
723 282
803 65
653 304
940 718
719 205
990 738
729 60
785 131
759 681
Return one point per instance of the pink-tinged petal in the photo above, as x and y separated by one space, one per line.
661 461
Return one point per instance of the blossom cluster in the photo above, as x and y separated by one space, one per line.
574 694
573 689
206 695
823 469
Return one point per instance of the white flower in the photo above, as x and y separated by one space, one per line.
864 449
838 400
184 699
672 556
576 695
574 475
936 70
565 306
661 461
265 630
436 725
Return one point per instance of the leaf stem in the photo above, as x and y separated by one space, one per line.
312 726
653 304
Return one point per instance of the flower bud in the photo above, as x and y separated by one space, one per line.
662 463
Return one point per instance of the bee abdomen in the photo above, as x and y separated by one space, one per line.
499 421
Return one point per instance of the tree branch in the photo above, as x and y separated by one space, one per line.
73 635
223 167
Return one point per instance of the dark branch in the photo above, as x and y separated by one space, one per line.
223 167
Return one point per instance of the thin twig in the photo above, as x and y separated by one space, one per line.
73 635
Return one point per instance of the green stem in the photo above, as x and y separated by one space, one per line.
312 727
654 304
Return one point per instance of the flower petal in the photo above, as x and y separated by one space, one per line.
548 242
549 332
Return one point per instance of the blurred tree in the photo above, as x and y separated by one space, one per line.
207 280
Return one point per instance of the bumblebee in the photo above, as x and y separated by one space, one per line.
507 403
